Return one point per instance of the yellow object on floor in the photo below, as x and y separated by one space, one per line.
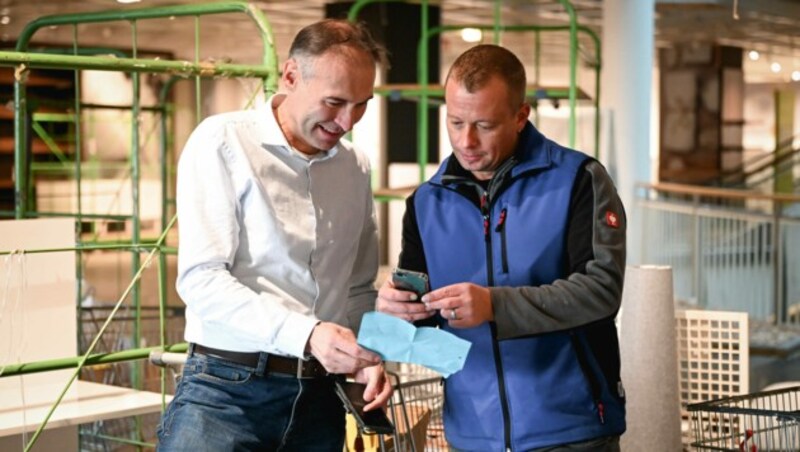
417 417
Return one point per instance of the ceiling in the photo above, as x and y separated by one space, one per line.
768 26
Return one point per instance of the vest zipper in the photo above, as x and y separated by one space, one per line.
498 364
501 228
487 237
501 387
586 369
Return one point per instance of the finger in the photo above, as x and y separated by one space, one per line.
398 308
389 292
437 298
382 397
350 353
444 303
415 317
373 385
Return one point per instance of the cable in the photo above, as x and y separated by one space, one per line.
17 310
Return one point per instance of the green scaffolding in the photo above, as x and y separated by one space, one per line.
424 91
23 59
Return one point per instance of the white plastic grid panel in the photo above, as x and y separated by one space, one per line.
713 354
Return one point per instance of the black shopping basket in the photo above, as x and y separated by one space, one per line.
765 421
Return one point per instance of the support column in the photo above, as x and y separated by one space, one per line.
628 45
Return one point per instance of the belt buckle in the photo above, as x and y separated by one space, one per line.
299 368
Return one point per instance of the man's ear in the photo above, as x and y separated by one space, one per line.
291 73
522 116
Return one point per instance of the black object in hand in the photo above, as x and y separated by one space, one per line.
369 422
411 281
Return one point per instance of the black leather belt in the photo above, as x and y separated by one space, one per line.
294 367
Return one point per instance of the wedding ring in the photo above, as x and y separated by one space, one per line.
453 314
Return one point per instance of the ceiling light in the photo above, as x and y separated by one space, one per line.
471 34
775 67
796 76
753 55
128 1
5 20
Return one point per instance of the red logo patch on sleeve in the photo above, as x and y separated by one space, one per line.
612 219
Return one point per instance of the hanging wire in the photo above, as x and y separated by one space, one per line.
156 248
16 308
736 9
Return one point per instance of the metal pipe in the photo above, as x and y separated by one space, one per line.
572 89
136 369
422 106
140 247
25 60
21 142
164 146
96 216
497 20
352 13
96 339
573 70
270 59
11 370
778 264
269 69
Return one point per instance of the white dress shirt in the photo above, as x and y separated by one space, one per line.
272 241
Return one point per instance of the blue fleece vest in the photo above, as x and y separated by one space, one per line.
550 399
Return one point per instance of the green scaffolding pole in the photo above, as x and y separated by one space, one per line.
571 91
270 62
23 61
424 90
81 361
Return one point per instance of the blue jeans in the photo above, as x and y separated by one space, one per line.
222 406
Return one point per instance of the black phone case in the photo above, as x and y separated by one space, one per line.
412 281
369 422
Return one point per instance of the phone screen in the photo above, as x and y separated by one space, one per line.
373 421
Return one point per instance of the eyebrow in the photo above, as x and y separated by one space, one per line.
341 99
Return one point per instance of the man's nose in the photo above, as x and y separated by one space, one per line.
468 138
346 118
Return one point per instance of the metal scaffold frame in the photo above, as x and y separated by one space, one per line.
23 59
424 90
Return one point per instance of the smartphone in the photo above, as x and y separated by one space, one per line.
411 281
369 422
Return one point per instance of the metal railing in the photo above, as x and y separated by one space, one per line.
729 249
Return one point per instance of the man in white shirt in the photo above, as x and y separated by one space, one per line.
277 258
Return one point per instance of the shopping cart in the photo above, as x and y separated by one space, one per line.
765 421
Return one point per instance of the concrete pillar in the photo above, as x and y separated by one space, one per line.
628 46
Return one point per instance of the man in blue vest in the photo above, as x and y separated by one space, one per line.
524 244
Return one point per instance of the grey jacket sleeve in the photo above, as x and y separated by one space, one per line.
592 289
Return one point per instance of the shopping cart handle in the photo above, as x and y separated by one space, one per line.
167 359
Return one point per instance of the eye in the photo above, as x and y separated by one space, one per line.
485 126
334 102
456 124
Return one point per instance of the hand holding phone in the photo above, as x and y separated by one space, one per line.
369 422
411 281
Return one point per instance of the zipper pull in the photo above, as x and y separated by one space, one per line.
485 214
601 411
502 221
